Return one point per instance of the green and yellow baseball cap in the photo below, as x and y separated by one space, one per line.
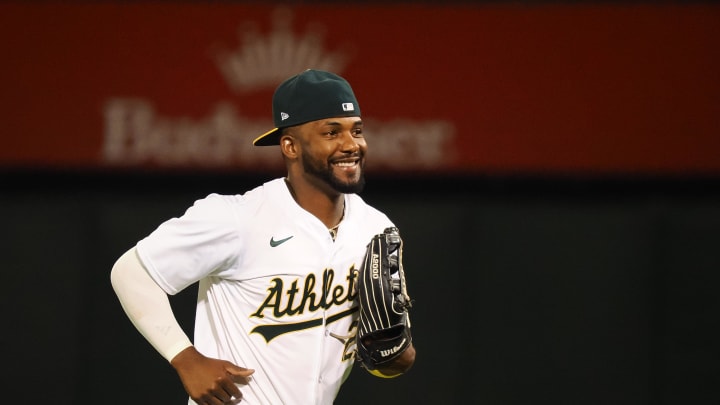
309 96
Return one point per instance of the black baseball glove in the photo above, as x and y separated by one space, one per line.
384 324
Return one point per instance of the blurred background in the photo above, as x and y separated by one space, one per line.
554 168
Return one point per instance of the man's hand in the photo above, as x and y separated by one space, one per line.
399 365
210 381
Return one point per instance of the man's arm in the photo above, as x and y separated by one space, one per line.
148 307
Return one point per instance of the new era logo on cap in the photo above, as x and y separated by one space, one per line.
284 116
348 107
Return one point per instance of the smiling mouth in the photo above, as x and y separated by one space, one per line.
346 164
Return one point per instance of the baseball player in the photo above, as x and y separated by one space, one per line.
277 267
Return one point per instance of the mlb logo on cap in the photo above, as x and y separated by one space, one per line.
348 107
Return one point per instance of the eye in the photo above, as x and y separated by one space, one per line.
357 132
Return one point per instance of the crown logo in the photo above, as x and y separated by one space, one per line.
266 61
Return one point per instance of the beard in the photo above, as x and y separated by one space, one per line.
323 171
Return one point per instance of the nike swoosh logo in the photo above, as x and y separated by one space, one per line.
274 242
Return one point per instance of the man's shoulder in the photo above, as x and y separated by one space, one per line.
264 190
368 214
224 202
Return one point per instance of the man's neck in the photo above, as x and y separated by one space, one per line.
328 207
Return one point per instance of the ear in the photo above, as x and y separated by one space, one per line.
287 145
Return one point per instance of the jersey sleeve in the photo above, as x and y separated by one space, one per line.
183 250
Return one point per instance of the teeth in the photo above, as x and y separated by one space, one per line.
345 164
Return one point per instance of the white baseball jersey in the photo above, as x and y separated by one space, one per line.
276 293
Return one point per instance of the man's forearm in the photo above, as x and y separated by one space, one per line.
147 306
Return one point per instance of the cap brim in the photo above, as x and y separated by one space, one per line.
269 138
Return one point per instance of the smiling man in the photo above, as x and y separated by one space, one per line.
277 266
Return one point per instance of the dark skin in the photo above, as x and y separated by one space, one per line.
210 381
324 159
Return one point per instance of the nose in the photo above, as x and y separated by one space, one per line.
349 142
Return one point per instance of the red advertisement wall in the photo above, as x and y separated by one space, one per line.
581 88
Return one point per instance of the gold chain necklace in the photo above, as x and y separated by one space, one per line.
333 231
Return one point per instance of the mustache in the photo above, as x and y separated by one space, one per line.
349 155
